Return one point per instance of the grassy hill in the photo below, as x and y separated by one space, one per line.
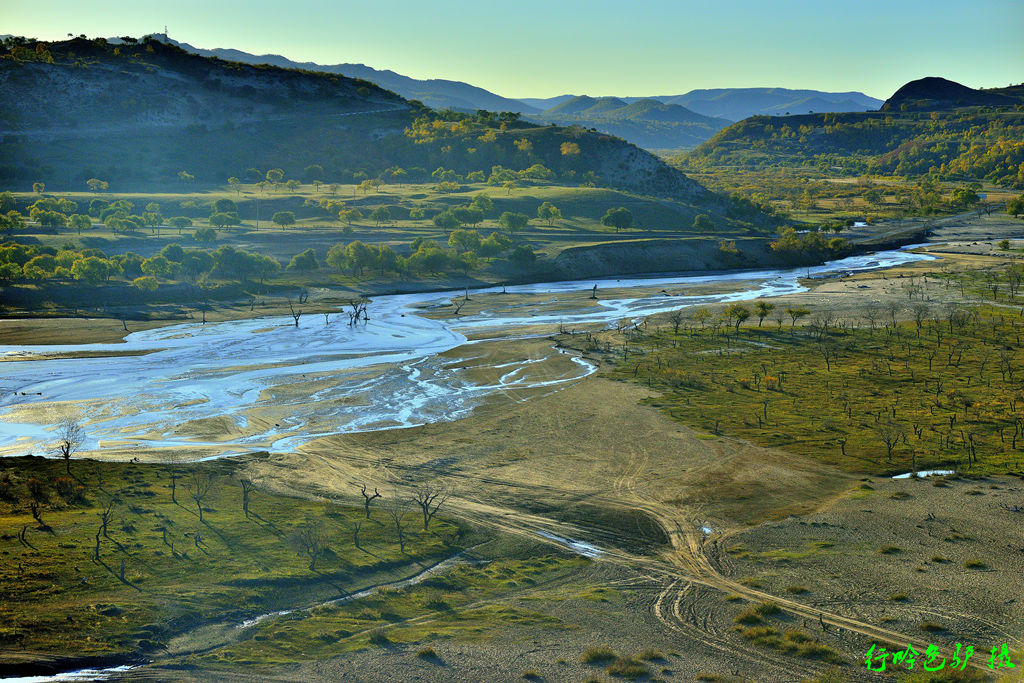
139 114
912 137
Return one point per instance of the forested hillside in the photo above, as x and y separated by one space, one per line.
151 113
985 143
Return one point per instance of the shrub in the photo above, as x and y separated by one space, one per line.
932 627
627 667
427 653
975 564
378 637
596 655
888 550
748 617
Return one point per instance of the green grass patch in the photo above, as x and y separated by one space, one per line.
880 401
61 596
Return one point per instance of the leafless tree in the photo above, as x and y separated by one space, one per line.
367 499
106 514
310 539
890 434
295 314
358 310
199 485
430 497
676 317
356 526
247 488
397 509
70 437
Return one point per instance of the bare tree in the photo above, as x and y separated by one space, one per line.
106 515
310 539
295 314
247 488
676 317
367 499
890 434
70 437
430 497
199 485
397 510
356 526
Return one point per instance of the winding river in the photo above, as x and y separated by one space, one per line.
201 391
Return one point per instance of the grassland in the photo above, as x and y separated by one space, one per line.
71 590
885 397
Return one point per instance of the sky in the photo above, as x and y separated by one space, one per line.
543 48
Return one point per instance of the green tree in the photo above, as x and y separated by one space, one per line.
619 218
180 222
91 270
304 261
39 188
494 245
737 314
484 203
205 235
464 240
235 184
223 220
186 177
702 223
97 185
522 255
549 212
381 214
283 218
1015 206
146 283
446 220
49 219
513 222
275 176
159 266
348 216
7 202
173 252
387 259
763 309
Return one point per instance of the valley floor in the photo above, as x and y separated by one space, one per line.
703 557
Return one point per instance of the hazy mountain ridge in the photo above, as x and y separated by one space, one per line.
736 104
436 93
646 122
145 112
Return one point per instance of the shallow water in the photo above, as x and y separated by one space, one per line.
276 386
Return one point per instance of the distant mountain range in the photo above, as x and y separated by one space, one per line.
662 122
736 104
645 122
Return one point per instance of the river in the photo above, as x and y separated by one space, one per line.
269 385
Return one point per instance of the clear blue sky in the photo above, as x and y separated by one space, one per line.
541 48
